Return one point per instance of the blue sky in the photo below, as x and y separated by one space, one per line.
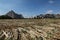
30 8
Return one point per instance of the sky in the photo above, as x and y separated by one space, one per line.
30 8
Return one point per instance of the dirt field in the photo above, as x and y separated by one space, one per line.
29 29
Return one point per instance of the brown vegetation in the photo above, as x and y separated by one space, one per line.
29 29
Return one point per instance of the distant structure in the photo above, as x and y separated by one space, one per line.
14 15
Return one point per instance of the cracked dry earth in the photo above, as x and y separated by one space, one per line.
30 29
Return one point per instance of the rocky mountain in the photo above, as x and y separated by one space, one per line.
48 16
14 15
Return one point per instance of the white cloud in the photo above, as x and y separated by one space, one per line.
51 1
49 11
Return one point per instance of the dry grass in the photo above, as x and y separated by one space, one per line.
30 29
